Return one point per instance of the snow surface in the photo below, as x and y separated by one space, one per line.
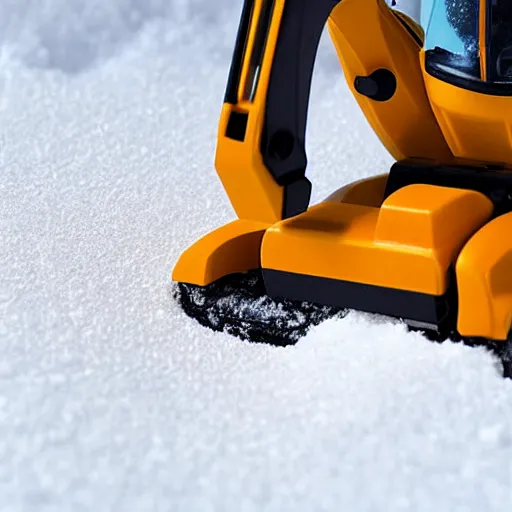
110 398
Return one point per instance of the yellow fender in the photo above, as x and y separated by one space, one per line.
484 277
229 249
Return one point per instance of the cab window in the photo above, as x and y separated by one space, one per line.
500 40
452 37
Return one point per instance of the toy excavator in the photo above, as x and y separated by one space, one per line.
429 242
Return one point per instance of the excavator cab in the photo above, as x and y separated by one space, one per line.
469 43
468 76
426 242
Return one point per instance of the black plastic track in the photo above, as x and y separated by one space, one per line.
238 305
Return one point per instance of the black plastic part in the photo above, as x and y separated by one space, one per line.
506 358
495 183
235 72
238 304
409 29
419 307
281 145
378 86
500 349
296 197
504 62
459 80
498 41
284 131
366 86
258 49
237 126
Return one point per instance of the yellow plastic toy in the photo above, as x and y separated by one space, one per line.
431 241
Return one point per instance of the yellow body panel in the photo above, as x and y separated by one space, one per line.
251 189
477 127
415 27
232 248
366 192
369 36
484 278
408 244
434 218
241 170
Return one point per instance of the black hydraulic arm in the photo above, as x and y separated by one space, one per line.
286 109
283 142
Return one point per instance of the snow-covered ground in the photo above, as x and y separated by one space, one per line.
110 398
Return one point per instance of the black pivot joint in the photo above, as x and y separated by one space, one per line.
379 85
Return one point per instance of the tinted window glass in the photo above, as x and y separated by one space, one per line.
500 38
452 37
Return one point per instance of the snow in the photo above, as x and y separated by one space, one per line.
111 398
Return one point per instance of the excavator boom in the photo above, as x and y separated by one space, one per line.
261 156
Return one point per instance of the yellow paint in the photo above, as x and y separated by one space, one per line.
365 192
434 218
477 126
368 36
251 189
408 244
232 248
482 38
484 278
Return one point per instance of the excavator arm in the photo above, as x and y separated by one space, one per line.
261 157
263 126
